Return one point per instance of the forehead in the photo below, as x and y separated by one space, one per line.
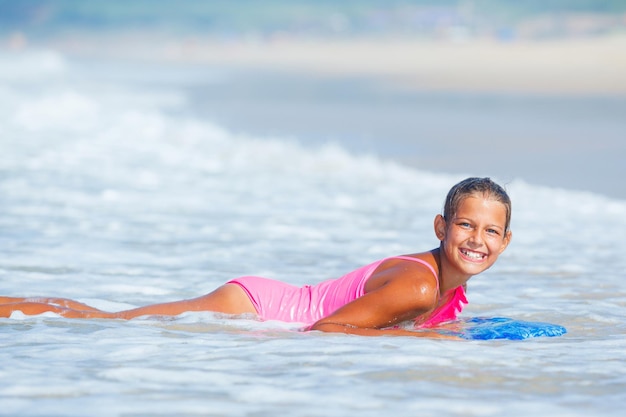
482 206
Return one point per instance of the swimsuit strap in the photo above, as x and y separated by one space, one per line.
421 261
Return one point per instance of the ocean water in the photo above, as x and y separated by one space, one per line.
118 195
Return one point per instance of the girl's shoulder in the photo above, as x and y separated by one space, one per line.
414 270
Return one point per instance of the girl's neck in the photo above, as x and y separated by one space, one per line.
448 278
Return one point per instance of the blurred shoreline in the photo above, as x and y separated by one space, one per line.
575 66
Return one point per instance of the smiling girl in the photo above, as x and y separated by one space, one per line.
427 288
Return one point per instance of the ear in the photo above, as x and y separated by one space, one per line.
440 227
505 242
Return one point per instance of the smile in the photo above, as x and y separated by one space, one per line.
476 256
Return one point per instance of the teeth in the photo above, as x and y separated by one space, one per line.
473 255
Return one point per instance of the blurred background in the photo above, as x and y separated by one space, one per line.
532 90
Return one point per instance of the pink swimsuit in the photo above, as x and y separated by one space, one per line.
275 300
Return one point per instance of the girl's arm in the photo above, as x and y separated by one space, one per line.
347 329
409 291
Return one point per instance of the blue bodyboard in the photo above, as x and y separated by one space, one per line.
487 328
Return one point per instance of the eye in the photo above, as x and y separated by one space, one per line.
493 232
465 225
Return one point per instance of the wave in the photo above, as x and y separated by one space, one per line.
89 145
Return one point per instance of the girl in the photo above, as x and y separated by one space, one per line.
428 287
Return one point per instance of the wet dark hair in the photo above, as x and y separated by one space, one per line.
474 185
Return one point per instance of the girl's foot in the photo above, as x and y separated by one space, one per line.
60 302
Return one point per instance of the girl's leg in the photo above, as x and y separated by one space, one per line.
228 299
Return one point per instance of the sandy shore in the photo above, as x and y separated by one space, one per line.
594 66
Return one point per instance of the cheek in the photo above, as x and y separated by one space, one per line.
497 245
452 240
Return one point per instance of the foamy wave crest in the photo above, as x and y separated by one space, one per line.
564 214
67 111
30 65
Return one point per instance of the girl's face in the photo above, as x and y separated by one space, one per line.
476 236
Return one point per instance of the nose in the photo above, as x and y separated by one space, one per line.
476 239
